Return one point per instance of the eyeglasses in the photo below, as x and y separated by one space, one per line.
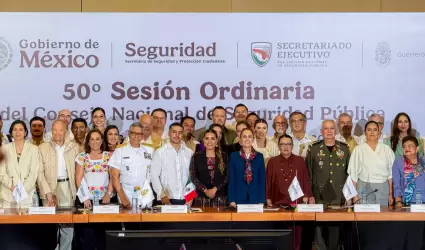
135 134
285 144
283 124
409 146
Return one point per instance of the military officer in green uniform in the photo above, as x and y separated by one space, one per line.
327 162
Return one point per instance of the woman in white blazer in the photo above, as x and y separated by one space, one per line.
21 164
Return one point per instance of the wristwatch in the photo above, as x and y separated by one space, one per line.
110 193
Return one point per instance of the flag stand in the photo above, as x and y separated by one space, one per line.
19 208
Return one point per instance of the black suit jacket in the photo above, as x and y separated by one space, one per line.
200 175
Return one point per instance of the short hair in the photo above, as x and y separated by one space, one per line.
87 148
98 109
375 115
297 113
240 105
242 123
79 120
174 124
16 123
327 120
410 138
160 110
135 125
217 108
370 122
253 114
285 136
345 114
187 117
38 118
60 121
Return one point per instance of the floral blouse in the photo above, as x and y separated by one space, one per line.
96 172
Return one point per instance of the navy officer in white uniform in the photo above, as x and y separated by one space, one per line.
130 164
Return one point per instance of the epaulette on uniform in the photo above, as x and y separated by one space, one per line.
122 145
343 143
316 142
149 145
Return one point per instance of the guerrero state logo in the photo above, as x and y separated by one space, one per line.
261 53
6 53
383 54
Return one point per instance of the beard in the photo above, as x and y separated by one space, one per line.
280 131
187 137
346 131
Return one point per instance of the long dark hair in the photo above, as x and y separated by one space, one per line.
105 136
87 148
259 121
395 133
218 154
222 140
94 111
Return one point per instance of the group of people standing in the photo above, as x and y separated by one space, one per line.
229 164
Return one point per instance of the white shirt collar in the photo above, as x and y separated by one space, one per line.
294 138
182 146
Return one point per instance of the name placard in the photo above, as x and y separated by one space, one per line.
250 208
417 208
367 208
106 209
310 208
42 210
174 209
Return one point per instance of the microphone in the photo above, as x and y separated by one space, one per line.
374 191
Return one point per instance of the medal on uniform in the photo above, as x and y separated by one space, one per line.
127 168
320 163
147 155
340 153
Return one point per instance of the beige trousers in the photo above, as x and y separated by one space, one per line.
64 199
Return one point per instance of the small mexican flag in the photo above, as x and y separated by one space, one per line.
190 191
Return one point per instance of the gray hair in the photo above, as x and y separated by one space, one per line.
345 114
60 121
375 115
136 124
328 120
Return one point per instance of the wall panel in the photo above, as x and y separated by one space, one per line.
156 6
343 5
40 5
268 5
403 5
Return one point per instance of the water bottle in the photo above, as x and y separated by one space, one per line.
418 196
134 201
35 199
96 198
363 198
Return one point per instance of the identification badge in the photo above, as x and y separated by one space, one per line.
147 155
